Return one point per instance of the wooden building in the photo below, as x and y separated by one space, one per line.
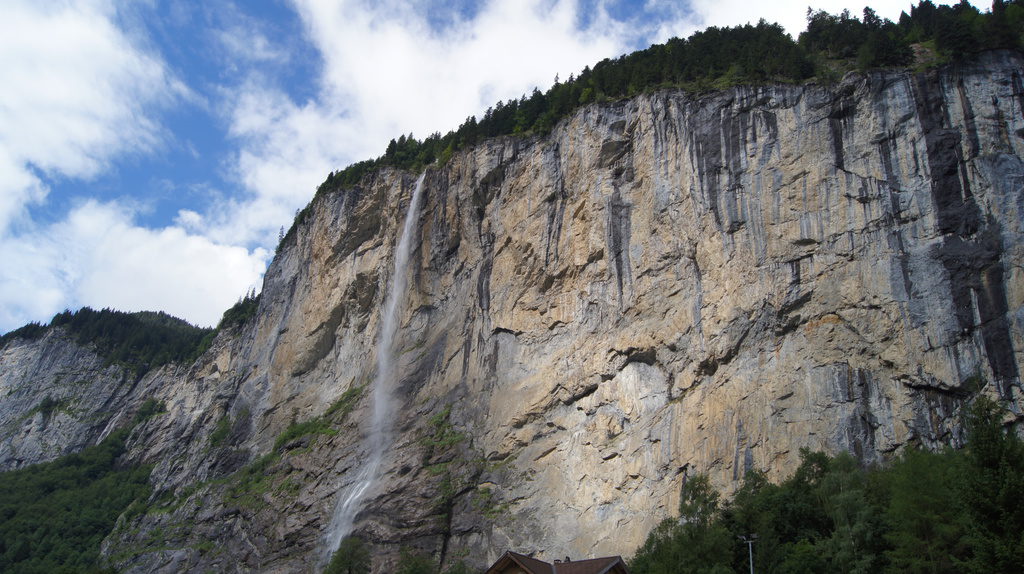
514 563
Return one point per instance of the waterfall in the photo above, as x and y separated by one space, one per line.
378 438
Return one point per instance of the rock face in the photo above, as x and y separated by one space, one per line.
58 397
666 285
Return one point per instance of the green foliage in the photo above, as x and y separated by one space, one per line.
442 433
872 42
220 431
855 542
927 512
993 491
29 332
140 341
351 557
926 533
410 562
321 425
456 475
296 431
240 312
441 442
484 501
695 543
47 406
55 515
698 503
149 409
957 31
348 400
248 485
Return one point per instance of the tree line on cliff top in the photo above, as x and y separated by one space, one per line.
139 341
717 58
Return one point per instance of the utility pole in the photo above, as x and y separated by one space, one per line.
750 548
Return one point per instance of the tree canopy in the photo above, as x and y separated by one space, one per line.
927 513
54 516
140 341
351 557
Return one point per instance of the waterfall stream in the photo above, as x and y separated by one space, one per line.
378 436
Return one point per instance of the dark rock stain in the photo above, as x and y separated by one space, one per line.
618 233
842 110
365 225
706 155
483 281
444 236
1018 90
555 215
859 432
971 249
488 187
741 440
973 146
720 136
467 344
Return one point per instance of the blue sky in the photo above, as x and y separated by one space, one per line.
151 150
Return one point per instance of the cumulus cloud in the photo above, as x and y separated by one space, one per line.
73 97
387 63
78 94
284 151
243 39
99 256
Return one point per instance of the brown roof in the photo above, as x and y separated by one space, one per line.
531 565
607 565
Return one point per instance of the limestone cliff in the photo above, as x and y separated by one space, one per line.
665 285
59 397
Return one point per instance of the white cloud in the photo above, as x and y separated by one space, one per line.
243 40
247 44
19 188
195 277
74 93
99 257
189 220
399 76
30 290
78 94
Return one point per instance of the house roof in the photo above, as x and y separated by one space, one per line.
606 565
531 565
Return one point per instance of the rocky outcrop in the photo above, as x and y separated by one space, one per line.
59 397
665 285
